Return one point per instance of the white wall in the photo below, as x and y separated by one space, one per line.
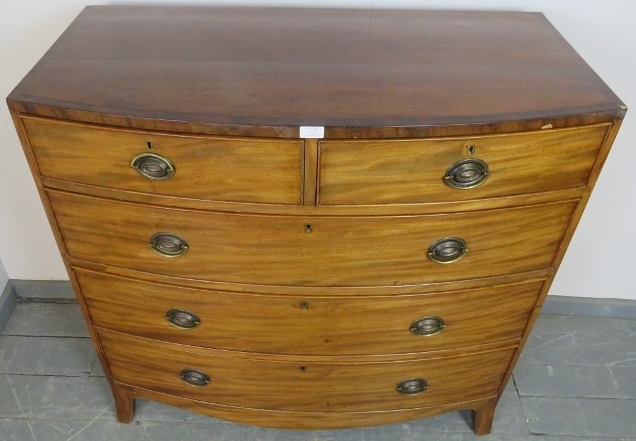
27 29
601 261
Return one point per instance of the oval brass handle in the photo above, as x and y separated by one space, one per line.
168 244
467 173
447 250
153 166
412 386
194 377
183 319
428 326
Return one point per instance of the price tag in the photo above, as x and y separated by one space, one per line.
312 132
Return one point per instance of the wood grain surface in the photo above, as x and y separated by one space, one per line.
300 420
212 168
308 325
329 291
310 251
359 172
266 71
312 210
308 386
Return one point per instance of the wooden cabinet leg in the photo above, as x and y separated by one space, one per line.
483 416
124 403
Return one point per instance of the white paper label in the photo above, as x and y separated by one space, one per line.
312 132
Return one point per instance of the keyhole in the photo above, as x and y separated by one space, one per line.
149 145
304 305
471 149
308 228
303 368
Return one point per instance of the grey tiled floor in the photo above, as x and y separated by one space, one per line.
576 381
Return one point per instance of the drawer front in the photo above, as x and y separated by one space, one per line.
211 168
310 325
412 171
312 251
281 384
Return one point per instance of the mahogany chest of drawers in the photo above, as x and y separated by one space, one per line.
312 218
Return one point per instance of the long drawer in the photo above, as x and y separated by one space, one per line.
309 325
205 167
305 385
311 251
359 172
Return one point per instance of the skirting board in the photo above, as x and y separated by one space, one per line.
56 291
61 291
8 300
42 290
590 307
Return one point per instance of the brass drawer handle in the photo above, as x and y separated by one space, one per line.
168 244
447 250
467 173
412 387
153 166
183 319
194 377
428 326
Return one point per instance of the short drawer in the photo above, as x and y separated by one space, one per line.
278 383
367 172
308 251
205 167
309 325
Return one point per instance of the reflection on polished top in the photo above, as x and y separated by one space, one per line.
324 67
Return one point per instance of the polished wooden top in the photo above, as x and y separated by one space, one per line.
282 68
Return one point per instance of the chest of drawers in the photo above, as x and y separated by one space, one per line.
388 268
